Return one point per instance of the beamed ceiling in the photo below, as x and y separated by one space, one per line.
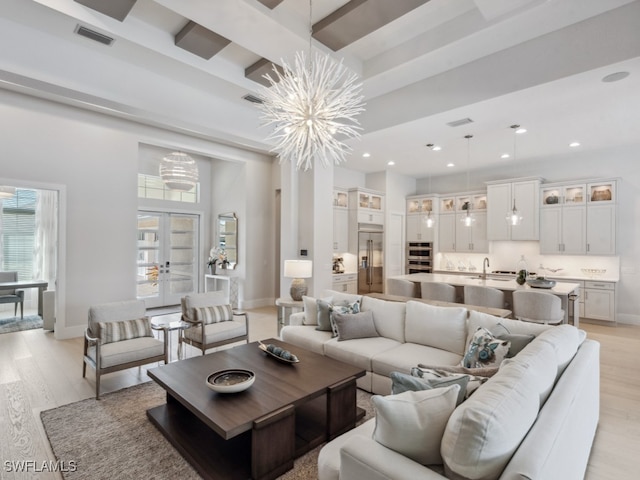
187 65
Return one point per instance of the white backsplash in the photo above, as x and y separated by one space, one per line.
505 256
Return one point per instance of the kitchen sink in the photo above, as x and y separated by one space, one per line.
489 277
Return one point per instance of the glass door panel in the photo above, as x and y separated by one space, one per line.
167 266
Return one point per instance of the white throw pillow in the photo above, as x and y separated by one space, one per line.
311 309
412 423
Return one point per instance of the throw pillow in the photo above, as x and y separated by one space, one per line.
311 310
485 350
345 308
401 382
324 315
413 423
354 325
213 314
477 376
518 341
125 330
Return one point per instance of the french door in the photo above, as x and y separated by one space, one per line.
167 266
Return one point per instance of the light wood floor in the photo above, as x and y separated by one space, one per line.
38 372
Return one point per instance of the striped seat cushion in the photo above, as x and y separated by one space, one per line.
213 314
125 330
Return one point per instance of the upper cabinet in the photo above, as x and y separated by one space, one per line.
340 221
453 234
578 218
419 208
500 201
367 205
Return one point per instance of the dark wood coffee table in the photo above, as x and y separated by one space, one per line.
290 409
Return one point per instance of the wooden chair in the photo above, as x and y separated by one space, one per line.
483 296
438 291
404 288
127 342
203 335
537 307
12 295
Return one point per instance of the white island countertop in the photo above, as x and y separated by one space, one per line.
506 284
562 290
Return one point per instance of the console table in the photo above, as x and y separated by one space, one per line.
226 283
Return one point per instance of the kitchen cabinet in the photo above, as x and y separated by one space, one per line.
367 206
340 230
578 219
563 230
453 235
473 238
345 282
599 300
500 200
418 208
447 233
601 229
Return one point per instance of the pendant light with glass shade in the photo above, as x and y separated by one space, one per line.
429 220
179 171
513 217
469 219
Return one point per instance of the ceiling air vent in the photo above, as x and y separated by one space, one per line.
93 35
458 123
252 98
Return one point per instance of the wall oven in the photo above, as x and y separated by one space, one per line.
419 257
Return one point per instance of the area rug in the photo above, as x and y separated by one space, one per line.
17 324
113 438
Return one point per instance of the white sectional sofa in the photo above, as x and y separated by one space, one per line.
534 419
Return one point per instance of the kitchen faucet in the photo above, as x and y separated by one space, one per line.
485 264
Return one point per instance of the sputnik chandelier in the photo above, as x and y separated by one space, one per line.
313 105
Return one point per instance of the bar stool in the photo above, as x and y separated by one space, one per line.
537 307
483 296
398 286
438 291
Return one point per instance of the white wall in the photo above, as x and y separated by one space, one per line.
618 162
95 158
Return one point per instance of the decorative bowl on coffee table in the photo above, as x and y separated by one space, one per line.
230 381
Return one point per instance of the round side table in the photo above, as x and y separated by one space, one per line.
285 309
168 326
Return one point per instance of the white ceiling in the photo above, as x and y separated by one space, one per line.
538 63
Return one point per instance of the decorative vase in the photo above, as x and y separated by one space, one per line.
212 269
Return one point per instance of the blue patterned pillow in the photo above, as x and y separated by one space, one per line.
485 350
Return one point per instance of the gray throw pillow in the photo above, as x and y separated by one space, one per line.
401 382
355 325
324 316
518 341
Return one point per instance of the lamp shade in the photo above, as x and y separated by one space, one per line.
298 268
179 171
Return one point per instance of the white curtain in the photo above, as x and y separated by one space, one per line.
45 253
1 237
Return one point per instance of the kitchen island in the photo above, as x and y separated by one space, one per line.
568 292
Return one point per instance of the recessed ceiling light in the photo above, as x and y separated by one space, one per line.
521 130
505 155
451 164
436 148
366 155
574 144
614 77
391 162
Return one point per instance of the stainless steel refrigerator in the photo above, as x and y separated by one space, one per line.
370 261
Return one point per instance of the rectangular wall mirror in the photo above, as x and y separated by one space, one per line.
228 237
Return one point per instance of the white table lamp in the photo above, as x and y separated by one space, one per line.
298 270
